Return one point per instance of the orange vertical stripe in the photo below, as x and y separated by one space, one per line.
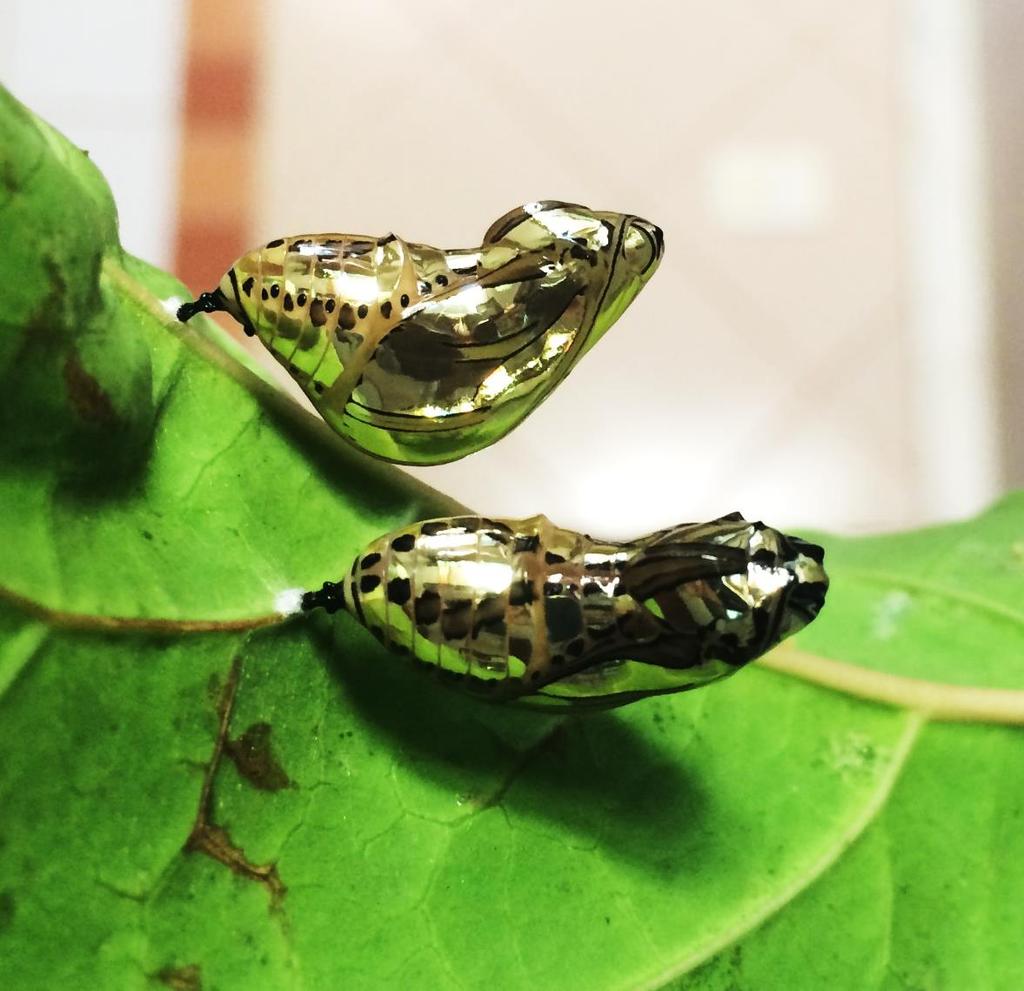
215 177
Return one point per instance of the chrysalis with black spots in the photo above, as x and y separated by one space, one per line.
422 355
523 609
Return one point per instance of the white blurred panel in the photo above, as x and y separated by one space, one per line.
109 76
768 365
950 319
769 190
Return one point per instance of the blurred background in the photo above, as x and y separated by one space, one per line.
835 335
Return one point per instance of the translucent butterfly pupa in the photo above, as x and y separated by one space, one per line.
522 609
422 355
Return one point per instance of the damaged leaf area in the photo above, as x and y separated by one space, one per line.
206 836
187 978
255 759
195 795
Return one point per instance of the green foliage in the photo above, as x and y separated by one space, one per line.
357 826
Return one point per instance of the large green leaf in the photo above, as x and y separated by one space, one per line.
192 797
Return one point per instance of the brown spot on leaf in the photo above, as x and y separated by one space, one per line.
187 978
255 759
213 840
46 320
86 395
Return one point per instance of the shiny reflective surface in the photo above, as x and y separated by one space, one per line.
524 609
420 355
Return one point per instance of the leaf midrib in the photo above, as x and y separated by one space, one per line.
939 701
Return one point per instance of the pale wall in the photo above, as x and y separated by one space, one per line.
816 348
774 363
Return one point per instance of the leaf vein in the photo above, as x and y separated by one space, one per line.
770 907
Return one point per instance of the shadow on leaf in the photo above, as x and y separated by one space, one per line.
362 480
613 781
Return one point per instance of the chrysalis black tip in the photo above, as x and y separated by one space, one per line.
208 302
330 598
